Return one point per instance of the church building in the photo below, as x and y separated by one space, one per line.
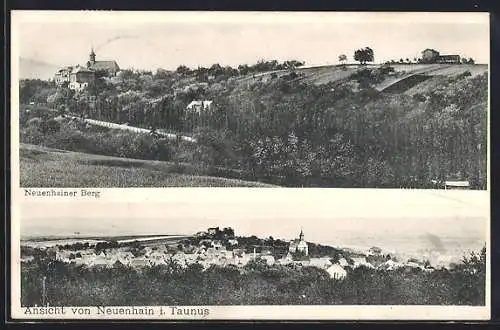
111 68
79 77
299 245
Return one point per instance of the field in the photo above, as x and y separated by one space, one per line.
319 75
47 167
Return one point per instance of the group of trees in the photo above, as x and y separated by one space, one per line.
364 55
257 284
216 71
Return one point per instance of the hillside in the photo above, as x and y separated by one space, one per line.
398 125
321 75
47 167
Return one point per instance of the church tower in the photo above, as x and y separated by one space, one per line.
301 235
92 56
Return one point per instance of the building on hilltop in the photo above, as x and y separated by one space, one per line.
433 56
109 68
299 245
79 77
449 59
62 75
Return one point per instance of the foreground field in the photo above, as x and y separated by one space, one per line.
46 167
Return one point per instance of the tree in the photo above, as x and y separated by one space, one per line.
364 55
183 70
342 59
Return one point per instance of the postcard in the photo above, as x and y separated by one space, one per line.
250 166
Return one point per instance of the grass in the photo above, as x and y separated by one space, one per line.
47 167
333 73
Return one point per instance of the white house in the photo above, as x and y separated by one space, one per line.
390 265
361 261
336 272
343 262
232 242
322 263
199 106
268 259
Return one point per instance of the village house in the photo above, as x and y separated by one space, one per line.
342 262
62 75
322 263
269 259
336 272
217 245
286 260
80 78
361 261
213 231
233 242
390 265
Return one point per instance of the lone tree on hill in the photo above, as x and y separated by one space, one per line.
342 59
363 55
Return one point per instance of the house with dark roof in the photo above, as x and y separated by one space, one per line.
109 68
433 56
80 78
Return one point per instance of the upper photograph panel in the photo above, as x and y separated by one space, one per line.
207 99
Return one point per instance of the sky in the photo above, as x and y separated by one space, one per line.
322 213
168 39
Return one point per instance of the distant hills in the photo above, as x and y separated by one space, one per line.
34 69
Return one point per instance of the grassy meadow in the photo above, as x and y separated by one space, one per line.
47 167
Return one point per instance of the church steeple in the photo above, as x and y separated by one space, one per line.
92 55
301 235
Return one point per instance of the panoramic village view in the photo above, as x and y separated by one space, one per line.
218 267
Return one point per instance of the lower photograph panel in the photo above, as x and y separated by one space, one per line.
399 256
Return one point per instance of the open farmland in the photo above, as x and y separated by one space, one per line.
92 241
47 167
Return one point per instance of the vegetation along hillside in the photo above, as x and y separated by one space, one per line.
393 125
